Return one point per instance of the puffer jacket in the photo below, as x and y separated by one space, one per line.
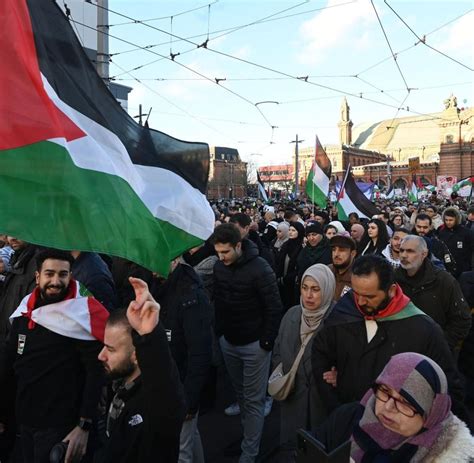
246 299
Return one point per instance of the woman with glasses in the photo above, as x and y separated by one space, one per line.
405 417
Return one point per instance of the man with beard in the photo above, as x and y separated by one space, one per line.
392 250
433 290
147 411
343 250
366 328
51 352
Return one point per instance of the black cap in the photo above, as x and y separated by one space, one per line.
314 227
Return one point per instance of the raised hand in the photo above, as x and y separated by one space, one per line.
142 313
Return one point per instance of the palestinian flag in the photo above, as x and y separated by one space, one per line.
351 199
317 184
464 183
78 316
76 172
261 188
413 192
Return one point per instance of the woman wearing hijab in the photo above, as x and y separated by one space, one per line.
281 236
405 418
286 264
375 239
302 407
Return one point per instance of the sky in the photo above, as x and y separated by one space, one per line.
287 66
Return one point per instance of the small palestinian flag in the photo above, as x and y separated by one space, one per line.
464 183
261 188
351 199
317 184
76 172
78 316
413 192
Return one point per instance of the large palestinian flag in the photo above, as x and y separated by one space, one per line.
76 172
317 184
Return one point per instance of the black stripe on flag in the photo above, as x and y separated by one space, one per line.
261 187
358 198
68 70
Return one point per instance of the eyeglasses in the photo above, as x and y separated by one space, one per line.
382 394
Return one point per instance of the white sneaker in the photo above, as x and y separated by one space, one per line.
232 409
268 405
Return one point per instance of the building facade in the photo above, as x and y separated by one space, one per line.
227 174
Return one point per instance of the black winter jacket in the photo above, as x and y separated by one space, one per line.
148 428
309 255
19 282
186 316
342 342
246 299
438 294
460 243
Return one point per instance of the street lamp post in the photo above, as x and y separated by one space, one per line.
296 142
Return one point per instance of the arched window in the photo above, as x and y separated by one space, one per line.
449 139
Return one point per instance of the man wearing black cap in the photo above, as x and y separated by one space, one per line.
344 250
316 251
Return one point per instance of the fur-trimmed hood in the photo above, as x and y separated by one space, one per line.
456 212
454 444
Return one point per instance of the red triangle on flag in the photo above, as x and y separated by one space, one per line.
27 114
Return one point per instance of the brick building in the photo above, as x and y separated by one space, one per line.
227 174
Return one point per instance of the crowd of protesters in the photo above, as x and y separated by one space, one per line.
360 329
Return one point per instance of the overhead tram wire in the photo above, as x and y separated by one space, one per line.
192 116
232 29
190 70
423 40
417 43
303 79
389 45
165 17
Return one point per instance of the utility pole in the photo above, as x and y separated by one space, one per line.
296 142
102 64
141 114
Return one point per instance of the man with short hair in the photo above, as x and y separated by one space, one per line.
248 311
436 220
354 218
357 232
470 219
52 349
423 227
433 290
392 250
344 250
147 411
458 239
368 325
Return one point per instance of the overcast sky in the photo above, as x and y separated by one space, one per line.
340 47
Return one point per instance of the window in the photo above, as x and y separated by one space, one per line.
449 139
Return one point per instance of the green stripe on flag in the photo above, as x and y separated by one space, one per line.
314 192
68 207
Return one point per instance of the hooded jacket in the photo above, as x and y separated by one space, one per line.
310 255
246 299
19 282
439 295
342 342
459 241
186 316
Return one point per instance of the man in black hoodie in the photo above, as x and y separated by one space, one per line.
146 414
248 310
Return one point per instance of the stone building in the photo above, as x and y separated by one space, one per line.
227 174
